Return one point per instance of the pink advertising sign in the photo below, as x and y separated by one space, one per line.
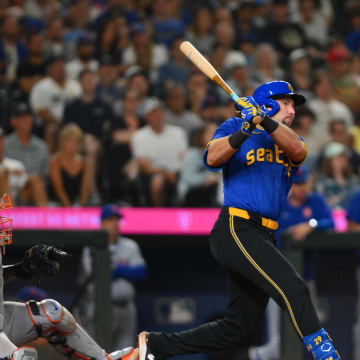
135 220
175 221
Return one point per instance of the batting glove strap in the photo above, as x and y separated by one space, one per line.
269 124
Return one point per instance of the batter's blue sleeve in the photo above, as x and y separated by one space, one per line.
225 129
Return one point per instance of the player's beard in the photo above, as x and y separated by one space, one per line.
288 120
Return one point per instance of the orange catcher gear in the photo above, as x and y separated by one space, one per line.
5 222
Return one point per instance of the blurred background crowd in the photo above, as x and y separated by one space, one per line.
98 104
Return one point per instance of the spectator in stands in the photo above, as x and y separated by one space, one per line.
54 41
260 18
176 113
167 20
92 115
346 90
197 186
225 41
31 151
325 106
224 35
76 26
69 171
244 18
197 88
247 45
176 70
30 71
353 38
108 90
13 175
112 38
303 125
143 52
12 50
336 180
313 23
84 60
339 132
49 97
200 33
265 66
159 149
127 266
117 182
138 80
237 73
42 10
299 75
210 111
278 29
223 15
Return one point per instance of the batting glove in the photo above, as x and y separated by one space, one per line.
249 108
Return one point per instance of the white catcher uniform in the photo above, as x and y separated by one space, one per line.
125 252
20 323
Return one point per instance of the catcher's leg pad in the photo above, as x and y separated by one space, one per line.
56 323
24 353
320 346
6 346
50 317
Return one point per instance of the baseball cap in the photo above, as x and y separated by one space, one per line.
297 54
20 109
109 211
235 59
301 176
337 53
32 293
334 149
150 105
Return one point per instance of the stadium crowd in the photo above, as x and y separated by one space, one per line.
99 105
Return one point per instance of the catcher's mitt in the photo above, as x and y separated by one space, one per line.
44 259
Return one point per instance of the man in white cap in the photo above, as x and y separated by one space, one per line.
158 149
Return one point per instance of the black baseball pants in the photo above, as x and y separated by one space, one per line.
256 271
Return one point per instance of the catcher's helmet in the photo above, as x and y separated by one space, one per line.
5 222
266 93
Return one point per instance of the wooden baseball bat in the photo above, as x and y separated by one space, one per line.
190 51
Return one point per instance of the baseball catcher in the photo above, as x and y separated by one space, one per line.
21 323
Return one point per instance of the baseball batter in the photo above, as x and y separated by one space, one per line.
258 164
20 323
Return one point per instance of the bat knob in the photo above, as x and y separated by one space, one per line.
257 120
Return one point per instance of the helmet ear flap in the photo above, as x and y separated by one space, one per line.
273 105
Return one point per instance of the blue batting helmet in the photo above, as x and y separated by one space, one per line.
266 93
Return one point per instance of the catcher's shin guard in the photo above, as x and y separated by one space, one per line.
6 346
58 326
24 353
320 346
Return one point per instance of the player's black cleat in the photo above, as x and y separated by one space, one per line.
144 349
